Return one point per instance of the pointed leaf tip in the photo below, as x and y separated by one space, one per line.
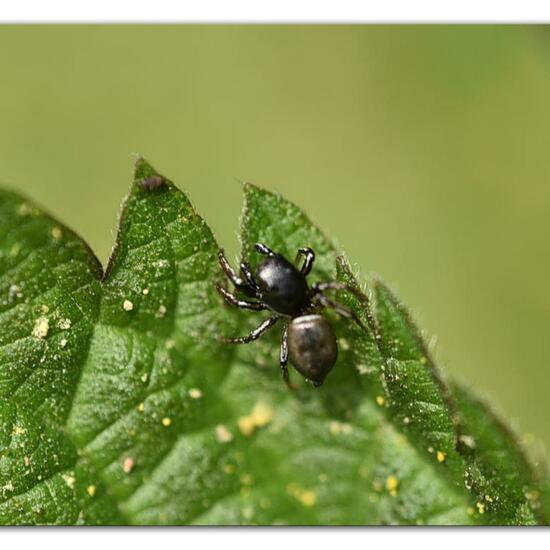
142 169
146 177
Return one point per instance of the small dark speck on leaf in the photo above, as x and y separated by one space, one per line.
151 183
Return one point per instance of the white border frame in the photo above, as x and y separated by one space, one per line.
251 538
275 11
281 11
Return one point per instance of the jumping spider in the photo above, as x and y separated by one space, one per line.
279 286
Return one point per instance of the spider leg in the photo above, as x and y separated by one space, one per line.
249 277
229 271
339 308
234 301
319 288
263 249
284 359
238 282
309 258
334 285
254 334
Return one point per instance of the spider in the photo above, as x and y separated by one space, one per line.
308 339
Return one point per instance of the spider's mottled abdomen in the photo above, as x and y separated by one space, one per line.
312 347
283 288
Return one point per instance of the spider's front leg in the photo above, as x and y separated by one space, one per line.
254 334
309 258
234 301
263 249
247 285
246 271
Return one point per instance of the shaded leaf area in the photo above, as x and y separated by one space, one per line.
49 302
506 484
120 406
480 449
480 453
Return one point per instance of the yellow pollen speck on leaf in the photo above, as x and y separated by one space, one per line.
145 291
229 468
441 456
380 400
141 407
91 490
306 497
195 393
25 209
57 233
128 464
346 428
170 343
344 344
161 311
247 479
69 480
248 512
223 435
480 507
391 485
261 415
246 425
127 305
363 369
166 421
41 327
335 427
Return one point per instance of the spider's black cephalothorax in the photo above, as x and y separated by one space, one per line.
279 286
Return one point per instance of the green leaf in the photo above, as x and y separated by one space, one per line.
119 405
479 447
506 484
49 303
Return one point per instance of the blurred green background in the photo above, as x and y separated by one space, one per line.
425 151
